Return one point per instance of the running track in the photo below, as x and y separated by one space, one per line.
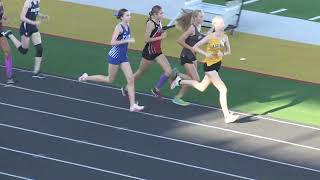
61 129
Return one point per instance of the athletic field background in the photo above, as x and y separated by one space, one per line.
295 8
248 92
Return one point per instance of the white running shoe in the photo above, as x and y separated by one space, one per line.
124 92
231 118
38 75
175 82
83 77
136 108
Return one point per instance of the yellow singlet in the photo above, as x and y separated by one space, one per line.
214 46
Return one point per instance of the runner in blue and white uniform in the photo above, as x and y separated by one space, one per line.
118 56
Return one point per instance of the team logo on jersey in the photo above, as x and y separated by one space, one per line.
35 10
126 36
35 7
217 46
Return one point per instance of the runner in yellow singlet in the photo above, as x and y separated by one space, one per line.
217 46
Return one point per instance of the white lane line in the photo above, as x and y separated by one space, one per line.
169 99
123 151
314 18
278 11
250 1
171 118
67 162
15 176
158 136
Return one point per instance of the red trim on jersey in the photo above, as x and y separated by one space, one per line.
155 47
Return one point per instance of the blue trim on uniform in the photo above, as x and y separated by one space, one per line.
119 54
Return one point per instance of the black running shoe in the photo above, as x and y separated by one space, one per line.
156 93
6 33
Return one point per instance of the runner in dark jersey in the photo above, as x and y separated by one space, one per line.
29 29
5 47
152 50
189 22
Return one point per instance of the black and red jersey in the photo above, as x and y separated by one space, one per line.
155 47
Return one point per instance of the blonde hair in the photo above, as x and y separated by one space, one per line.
215 20
186 19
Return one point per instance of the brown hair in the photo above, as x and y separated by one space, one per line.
155 10
119 14
186 19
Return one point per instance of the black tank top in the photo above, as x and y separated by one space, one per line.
155 47
1 12
33 11
192 40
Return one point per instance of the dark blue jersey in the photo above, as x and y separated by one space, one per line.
1 16
1 12
34 10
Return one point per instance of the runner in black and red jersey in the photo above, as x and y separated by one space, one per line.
152 50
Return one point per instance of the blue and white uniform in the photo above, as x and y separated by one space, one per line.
119 53
1 18
32 13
